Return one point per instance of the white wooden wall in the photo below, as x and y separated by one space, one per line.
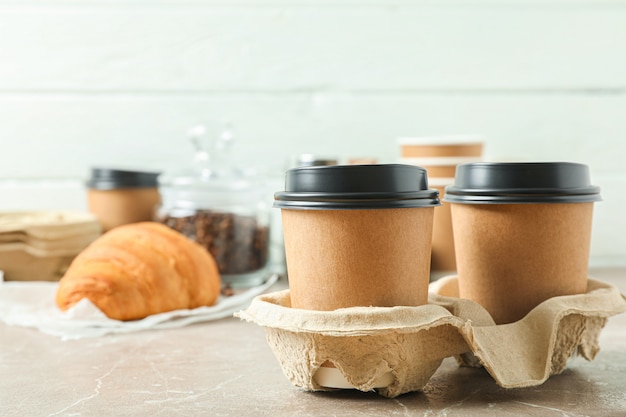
97 82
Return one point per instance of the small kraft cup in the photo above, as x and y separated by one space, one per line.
440 155
522 233
119 196
357 235
443 259
446 146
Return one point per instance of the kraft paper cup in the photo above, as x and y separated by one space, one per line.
357 235
522 233
440 155
118 196
441 146
440 167
443 256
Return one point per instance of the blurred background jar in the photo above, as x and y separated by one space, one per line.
222 207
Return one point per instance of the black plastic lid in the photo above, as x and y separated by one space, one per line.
109 179
348 187
521 182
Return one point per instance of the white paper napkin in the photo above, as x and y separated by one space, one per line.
31 304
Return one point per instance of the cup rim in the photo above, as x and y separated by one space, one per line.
356 201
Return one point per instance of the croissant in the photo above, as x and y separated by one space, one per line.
139 269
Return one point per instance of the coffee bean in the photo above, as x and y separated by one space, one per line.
238 243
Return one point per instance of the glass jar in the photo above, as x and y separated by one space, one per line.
225 211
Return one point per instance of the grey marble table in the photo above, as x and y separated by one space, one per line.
225 368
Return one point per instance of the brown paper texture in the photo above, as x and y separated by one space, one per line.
440 171
21 265
47 225
347 258
440 167
443 254
511 257
365 343
123 206
441 150
39 246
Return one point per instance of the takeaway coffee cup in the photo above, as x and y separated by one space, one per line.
117 196
522 233
450 146
440 155
357 235
443 260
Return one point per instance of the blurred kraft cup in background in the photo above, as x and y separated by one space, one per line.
443 256
357 235
118 197
440 155
522 233
469 146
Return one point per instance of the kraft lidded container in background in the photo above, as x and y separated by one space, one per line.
522 233
440 155
40 245
357 235
120 196
223 208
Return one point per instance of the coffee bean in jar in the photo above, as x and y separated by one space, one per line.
223 208
239 243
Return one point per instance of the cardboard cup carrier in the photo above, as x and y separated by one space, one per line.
513 255
522 233
357 235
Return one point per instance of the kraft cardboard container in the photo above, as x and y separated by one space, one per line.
395 350
522 233
117 197
20 264
441 146
357 235
440 167
443 256
39 246
440 155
